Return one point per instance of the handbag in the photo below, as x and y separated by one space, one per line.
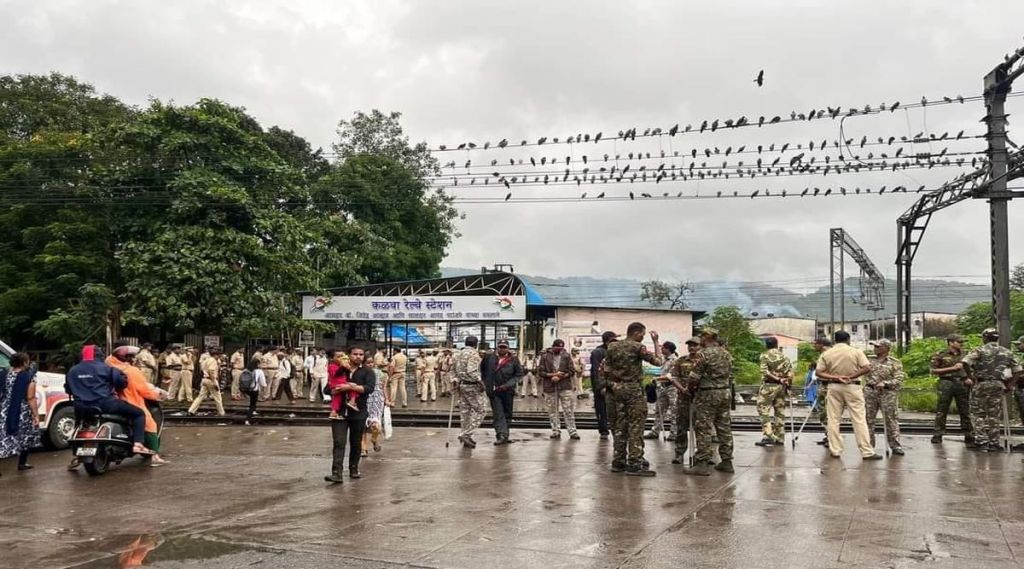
652 393
389 430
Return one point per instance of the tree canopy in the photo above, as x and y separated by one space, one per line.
195 217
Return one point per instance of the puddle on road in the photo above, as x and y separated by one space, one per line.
148 549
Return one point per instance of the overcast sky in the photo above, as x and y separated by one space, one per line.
483 71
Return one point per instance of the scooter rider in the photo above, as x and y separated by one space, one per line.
92 383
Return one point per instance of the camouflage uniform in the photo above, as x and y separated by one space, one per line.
681 369
988 362
665 408
624 372
1020 385
470 386
772 394
712 370
888 374
951 387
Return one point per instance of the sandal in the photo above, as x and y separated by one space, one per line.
145 451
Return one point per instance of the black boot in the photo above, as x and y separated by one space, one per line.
936 439
639 470
353 473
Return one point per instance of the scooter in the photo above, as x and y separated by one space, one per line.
102 439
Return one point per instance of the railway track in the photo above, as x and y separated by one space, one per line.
282 415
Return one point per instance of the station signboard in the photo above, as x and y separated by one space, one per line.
414 308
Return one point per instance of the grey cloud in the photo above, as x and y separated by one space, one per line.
464 70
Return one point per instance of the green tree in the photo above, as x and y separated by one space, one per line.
735 331
1017 278
662 293
57 249
381 181
978 316
236 231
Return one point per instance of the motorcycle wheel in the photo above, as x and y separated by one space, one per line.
99 463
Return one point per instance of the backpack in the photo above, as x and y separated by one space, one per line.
247 381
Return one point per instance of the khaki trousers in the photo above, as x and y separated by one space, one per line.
209 389
429 389
847 396
173 383
236 374
399 390
272 384
147 373
185 387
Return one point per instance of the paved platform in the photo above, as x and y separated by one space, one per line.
241 497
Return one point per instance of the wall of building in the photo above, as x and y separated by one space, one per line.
586 324
801 328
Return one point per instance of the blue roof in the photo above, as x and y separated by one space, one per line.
408 335
533 298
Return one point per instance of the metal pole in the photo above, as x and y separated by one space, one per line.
998 199
842 288
831 282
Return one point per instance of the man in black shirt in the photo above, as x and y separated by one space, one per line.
349 429
597 383
501 372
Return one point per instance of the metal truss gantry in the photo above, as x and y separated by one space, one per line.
989 183
871 282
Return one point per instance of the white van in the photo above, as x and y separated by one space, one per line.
56 416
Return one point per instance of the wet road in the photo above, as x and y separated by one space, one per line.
238 497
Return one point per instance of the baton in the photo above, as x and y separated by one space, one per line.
691 435
1006 424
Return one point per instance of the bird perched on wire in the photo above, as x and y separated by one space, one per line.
760 78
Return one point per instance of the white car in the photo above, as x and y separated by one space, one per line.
56 415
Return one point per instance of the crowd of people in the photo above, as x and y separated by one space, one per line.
691 392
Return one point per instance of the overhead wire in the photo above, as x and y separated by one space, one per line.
742 122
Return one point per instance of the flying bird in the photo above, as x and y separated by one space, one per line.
760 78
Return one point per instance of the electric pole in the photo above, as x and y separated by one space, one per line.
997 84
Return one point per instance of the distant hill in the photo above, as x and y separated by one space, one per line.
929 295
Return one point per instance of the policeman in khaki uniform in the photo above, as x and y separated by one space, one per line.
210 368
444 368
882 391
237 365
420 369
188 367
146 362
297 372
776 377
173 364
396 378
270 363
429 377
953 384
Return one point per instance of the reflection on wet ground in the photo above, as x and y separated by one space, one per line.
237 497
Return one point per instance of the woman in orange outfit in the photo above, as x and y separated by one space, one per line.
138 391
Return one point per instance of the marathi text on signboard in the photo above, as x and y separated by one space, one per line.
414 308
